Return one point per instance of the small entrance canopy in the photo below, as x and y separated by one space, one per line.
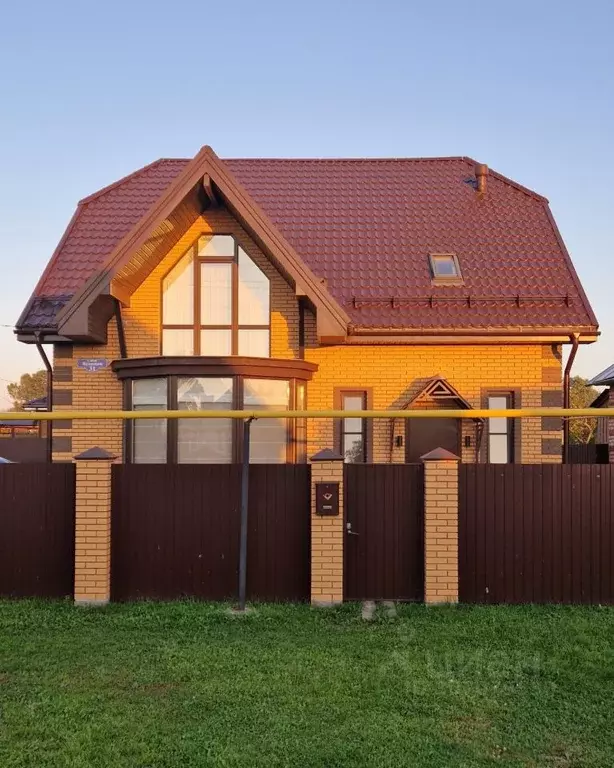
439 393
440 390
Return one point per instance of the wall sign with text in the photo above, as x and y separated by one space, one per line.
92 364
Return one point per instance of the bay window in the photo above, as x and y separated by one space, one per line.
216 302
214 384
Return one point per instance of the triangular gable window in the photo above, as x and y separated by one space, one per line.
216 302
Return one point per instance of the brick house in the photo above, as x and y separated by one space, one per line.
274 284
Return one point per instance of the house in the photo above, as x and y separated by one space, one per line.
605 426
209 284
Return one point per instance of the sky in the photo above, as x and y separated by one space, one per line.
91 91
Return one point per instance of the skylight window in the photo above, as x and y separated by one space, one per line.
445 267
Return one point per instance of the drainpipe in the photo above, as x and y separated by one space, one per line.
575 340
38 337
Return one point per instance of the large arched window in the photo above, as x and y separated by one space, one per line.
216 302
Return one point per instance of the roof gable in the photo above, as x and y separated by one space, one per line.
146 243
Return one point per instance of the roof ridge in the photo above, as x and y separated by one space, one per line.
343 159
124 179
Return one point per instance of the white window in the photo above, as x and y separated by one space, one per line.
499 431
445 267
216 302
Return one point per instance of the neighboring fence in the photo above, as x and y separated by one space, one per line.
37 530
588 454
25 449
175 532
536 533
384 506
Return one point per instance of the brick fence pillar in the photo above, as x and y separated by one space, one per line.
93 527
440 527
327 533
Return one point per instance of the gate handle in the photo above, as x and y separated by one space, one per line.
348 528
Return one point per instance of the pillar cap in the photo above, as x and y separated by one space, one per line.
95 454
327 455
439 454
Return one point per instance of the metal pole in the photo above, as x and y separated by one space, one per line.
244 508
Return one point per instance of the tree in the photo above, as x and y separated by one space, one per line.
582 430
29 387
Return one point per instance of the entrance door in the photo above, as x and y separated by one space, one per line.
384 532
424 435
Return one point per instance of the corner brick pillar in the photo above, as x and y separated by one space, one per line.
440 527
327 534
93 527
610 423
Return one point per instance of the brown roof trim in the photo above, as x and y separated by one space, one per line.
258 367
207 162
365 335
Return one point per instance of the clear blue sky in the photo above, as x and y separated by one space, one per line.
91 91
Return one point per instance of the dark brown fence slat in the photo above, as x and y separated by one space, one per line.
536 533
37 530
175 532
385 505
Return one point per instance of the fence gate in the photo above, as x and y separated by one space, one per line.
37 530
384 539
536 533
175 532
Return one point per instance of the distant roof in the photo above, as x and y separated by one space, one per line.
38 404
367 226
605 377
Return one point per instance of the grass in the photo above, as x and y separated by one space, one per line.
187 684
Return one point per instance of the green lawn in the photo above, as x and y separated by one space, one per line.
187 684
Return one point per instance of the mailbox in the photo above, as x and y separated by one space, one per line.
327 498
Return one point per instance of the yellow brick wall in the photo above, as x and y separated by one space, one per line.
396 373
393 372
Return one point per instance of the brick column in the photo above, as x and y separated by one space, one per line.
93 527
440 527
326 534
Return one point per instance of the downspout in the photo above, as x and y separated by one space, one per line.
575 340
39 345
123 353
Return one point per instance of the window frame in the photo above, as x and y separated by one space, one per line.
197 326
366 393
296 452
436 278
510 398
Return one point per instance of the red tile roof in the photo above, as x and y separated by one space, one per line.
367 226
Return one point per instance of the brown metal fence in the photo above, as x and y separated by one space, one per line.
384 552
536 533
24 450
175 532
588 454
37 530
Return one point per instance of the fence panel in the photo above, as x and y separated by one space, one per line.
536 533
37 530
175 532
